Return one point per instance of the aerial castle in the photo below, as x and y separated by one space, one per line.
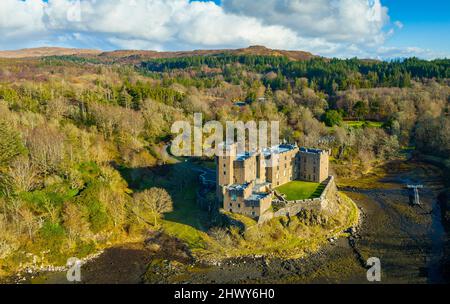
245 181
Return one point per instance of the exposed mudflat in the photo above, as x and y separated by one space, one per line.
409 240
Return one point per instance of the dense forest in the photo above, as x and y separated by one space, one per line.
325 75
71 126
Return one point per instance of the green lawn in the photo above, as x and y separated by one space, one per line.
299 190
360 124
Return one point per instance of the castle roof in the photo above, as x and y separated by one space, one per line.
313 151
238 187
244 156
254 200
283 148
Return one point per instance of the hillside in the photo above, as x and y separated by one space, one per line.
81 140
45 52
137 55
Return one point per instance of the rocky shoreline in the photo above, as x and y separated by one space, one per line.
27 273
390 228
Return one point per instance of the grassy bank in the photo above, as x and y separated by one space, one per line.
361 124
284 237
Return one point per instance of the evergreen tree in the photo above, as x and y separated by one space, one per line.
10 144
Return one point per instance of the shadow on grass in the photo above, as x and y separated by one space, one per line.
318 191
180 181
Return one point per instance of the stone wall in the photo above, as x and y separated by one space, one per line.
285 171
293 208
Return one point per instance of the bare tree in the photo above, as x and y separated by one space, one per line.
46 148
112 119
152 203
30 221
56 108
115 204
75 220
23 174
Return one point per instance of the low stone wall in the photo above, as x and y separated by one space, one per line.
293 208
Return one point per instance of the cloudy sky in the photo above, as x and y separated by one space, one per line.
341 28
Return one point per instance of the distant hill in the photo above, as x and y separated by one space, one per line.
261 50
46 51
131 55
138 55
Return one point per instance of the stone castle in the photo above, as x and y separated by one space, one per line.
245 182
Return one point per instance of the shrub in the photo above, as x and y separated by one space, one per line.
98 217
10 144
332 118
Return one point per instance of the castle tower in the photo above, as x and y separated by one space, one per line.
313 165
225 167
324 165
260 167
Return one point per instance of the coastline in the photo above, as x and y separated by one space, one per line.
385 218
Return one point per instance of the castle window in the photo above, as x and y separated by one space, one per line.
239 206
224 173
314 169
234 197
253 213
231 210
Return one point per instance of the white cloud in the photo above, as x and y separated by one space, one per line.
355 21
167 25
20 20
327 27
389 52
398 24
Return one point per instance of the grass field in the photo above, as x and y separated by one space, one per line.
360 124
299 190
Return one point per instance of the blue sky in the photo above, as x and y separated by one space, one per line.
426 24
334 28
